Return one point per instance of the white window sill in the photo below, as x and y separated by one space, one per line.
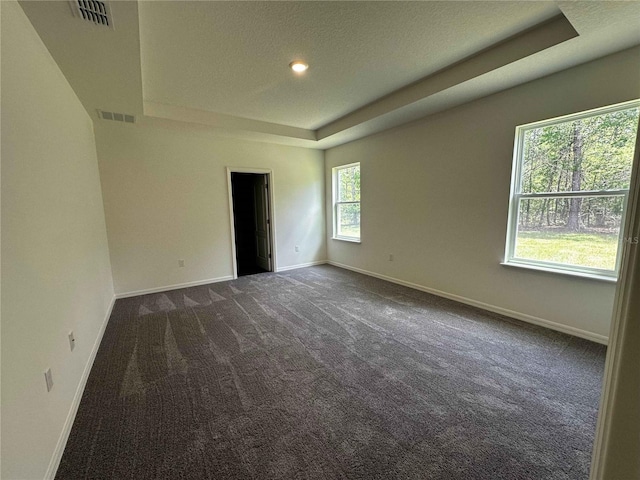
347 239
561 271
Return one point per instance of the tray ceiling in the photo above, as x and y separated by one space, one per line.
373 65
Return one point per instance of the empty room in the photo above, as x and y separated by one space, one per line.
320 240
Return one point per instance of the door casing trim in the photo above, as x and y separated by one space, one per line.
272 215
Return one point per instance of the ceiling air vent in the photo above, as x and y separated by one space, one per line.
116 117
93 11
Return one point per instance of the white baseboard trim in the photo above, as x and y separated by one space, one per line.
54 463
174 287
577 332
301 265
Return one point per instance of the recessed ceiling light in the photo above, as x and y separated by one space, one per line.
298 66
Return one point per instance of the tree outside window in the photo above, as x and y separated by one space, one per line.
346 194
570 186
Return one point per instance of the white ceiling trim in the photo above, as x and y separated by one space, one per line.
220 120
524 44
374 117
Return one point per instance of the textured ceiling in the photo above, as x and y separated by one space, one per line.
233 57
373 65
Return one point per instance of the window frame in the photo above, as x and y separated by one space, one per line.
335 171
516 195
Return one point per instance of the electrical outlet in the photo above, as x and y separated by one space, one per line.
72 341
391 257
297 248
180 263
48 379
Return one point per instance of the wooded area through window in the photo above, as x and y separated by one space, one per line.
346 202
569 191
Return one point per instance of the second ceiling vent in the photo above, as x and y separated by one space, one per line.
117 117
93 11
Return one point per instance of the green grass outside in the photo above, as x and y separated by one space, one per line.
597 250
350 230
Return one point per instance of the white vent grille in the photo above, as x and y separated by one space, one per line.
94 11
116 117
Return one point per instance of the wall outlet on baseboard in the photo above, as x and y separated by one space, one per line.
391 257
181 263
72 341
48 378
297 248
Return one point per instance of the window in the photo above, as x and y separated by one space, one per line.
569 191
346 202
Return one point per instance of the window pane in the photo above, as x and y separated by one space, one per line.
349 220
349 184
574 231
594 153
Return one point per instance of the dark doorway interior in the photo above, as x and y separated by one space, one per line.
251 222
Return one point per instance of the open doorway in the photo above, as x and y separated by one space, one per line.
251 222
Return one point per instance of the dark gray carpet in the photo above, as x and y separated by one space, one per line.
322 373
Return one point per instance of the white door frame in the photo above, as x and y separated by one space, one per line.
272 214
620 318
